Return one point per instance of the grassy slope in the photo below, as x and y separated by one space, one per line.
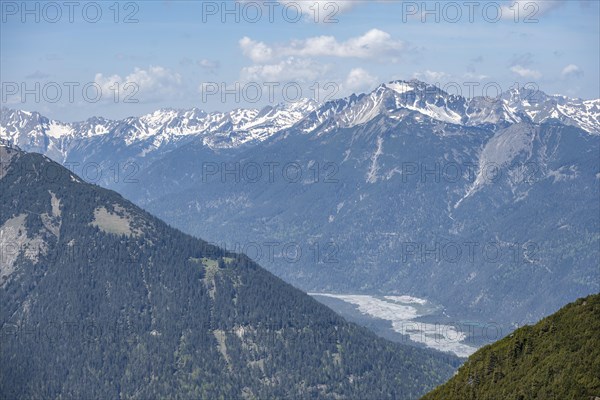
558 358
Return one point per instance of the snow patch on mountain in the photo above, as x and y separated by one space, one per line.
399 87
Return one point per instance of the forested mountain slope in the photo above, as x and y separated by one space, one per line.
99 299
556 359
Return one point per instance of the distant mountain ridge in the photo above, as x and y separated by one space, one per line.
217 129
397 99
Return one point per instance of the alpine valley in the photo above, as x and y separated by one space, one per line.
99 299
486 208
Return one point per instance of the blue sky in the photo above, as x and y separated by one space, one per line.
182 54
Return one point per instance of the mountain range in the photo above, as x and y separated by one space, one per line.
482 206
238 127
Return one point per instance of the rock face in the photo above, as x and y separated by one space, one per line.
99 299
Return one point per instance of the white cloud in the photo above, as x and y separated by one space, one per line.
431 76
290 69
373 44
360 79
572 70
525 72
152 84
258 52
475 76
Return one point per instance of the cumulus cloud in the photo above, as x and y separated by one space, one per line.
290 69
146 85
572 70
373 44
360 79
256 51
475 76
525 72
301 60
431 76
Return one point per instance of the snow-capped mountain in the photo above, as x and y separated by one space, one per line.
540 107
34 132
394 100
418 100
